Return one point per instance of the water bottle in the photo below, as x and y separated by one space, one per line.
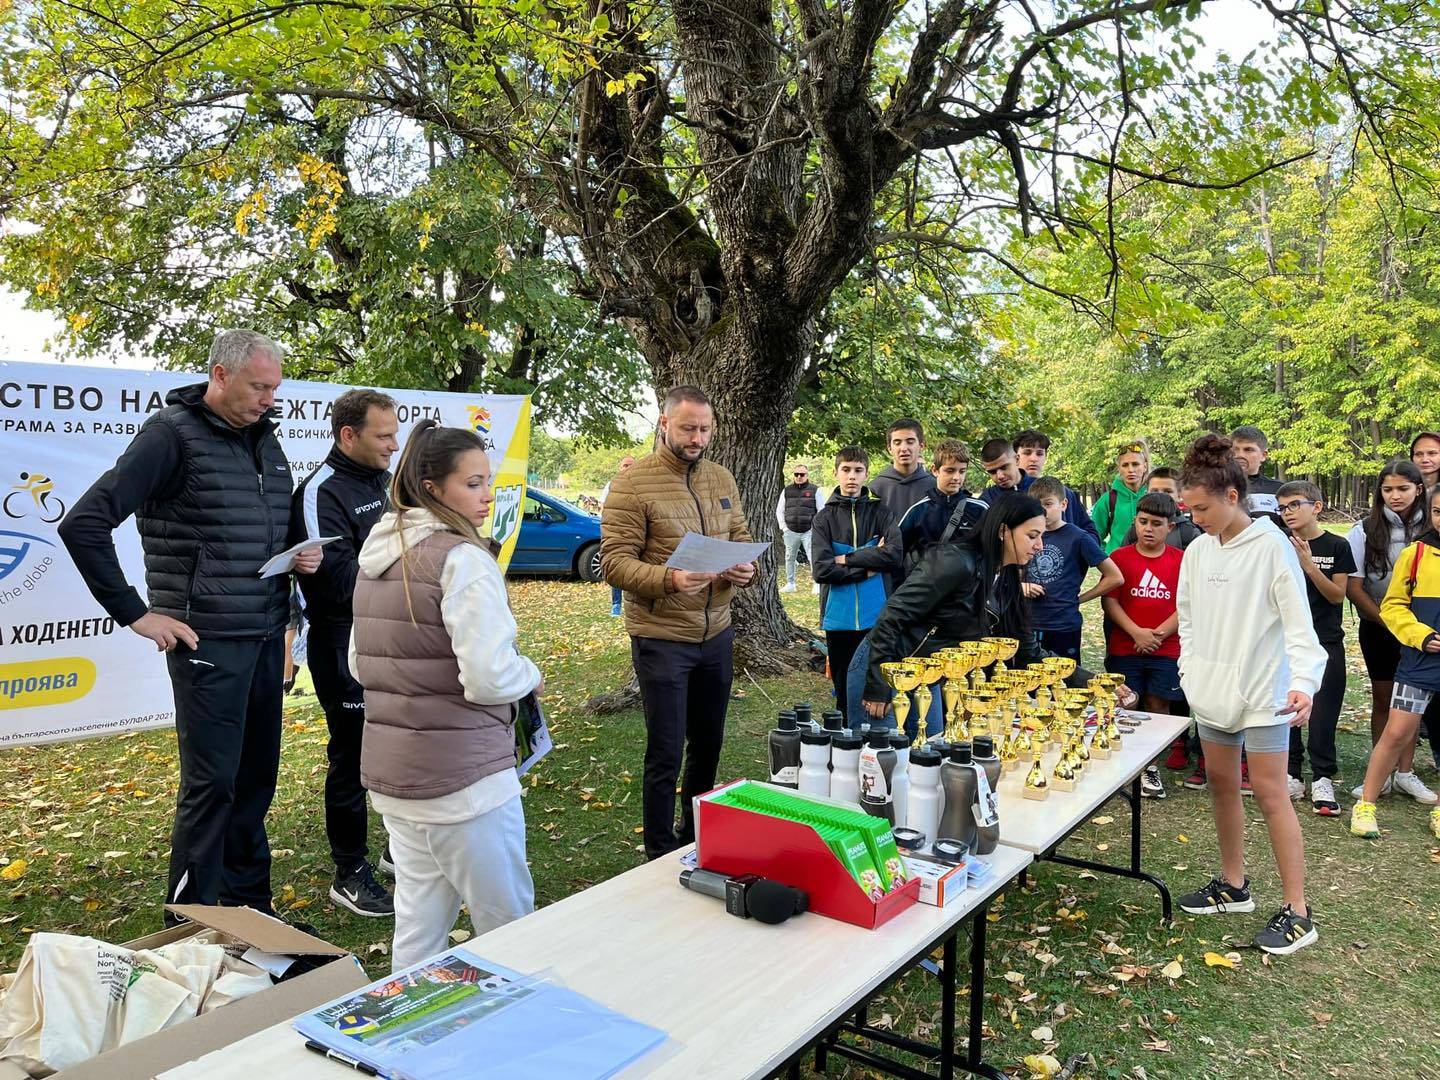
877 773
923 812
845 766
785 751
815 762
957 778
900 781
987 836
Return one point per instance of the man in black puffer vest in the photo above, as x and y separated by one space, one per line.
210 490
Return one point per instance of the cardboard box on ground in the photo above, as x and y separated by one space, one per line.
189 1039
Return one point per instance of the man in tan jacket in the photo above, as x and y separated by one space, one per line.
679 622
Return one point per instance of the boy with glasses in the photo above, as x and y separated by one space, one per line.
799 502
1328 563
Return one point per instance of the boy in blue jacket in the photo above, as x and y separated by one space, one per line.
856 544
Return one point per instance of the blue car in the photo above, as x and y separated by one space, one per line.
556 538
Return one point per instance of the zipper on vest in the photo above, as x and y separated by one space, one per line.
261 477
709 589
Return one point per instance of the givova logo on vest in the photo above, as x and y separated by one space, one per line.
45 682
1152 587
506 517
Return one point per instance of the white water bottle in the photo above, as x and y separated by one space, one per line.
926 798
815 762
845 767
900 779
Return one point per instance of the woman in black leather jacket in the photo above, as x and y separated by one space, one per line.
965 590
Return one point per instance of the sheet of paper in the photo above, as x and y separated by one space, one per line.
707 555
275 963
285 561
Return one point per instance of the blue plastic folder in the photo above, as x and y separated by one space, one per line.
457 1015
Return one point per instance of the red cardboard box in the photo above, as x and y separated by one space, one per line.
733 841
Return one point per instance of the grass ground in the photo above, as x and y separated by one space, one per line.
1072 957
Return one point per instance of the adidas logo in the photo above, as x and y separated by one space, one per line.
1152 587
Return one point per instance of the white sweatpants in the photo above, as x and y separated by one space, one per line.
480 862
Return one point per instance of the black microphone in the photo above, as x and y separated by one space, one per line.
748 896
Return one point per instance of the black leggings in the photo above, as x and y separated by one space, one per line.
841 646
1324 714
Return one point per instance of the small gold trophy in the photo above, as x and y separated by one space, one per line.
1043 736
1100 744
902 677
1009 758
1112 729
1063 777
957 663
929 670
1036 786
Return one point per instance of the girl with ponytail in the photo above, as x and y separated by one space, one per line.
434 647
1250 664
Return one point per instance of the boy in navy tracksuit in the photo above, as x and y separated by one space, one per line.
925 523
856 544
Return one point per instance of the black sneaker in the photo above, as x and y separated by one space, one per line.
386 865
361 893
1218 898
1287 932
1151 786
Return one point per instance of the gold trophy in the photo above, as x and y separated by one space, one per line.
1025 748
1063 776
1102 697
1005 648
1036 786
984 657
1043 737
1112 729
976 706
932 670
958 663
902 677
1009 758
1100 744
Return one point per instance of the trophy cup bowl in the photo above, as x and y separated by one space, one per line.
957 663
1004 648
902 677
984 656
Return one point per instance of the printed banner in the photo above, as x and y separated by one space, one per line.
66 670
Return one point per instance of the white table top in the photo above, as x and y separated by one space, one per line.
736 997
1037 825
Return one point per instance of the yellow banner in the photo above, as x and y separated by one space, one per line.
508 482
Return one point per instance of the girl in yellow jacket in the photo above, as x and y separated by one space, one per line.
1411 610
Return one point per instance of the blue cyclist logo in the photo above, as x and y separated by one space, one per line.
14 546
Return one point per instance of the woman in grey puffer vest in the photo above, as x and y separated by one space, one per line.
1396 518
434 647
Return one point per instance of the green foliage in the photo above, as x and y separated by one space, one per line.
1305 304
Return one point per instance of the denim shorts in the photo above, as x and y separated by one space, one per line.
1270 739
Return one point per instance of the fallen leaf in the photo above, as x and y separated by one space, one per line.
14 872
1323 1018
1105 820
1182 838
1214 959
92 905
1042 1034
1014 978
1160 1046
1102 847
1172 970
1045 1065
377 949
458 935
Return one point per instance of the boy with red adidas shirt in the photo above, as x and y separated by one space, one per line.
1144 643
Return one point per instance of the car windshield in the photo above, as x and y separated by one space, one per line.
562 502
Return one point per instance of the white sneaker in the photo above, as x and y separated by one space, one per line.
1296 787
1407 783
789 588
1322 797
815 589
1358 791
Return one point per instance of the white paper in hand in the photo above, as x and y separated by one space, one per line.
285 561
699 554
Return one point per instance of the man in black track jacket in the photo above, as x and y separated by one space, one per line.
209 487
344 497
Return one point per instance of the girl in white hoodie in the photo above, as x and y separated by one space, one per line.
434 647
1249 665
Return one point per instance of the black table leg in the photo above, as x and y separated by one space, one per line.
974 1050
1132 871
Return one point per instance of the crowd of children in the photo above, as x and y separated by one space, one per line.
1223 598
